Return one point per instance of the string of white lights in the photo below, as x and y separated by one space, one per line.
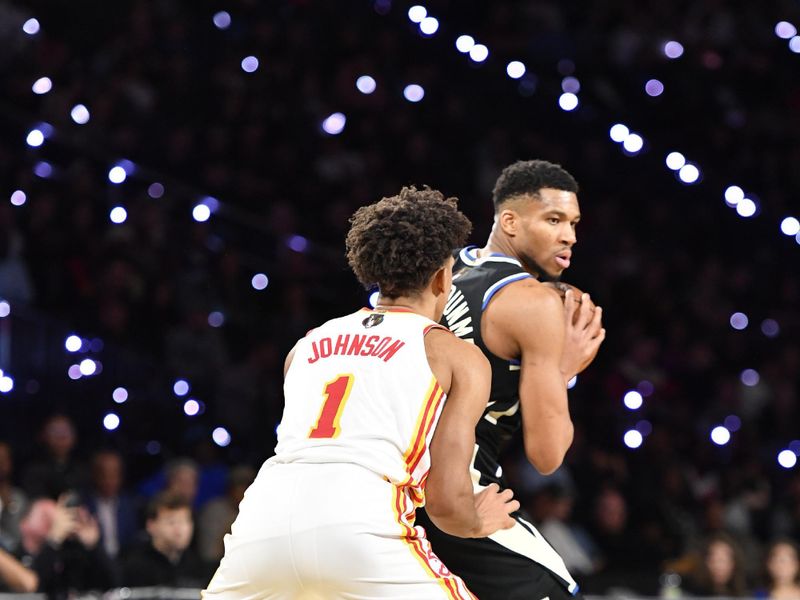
687 172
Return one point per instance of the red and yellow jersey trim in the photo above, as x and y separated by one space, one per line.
420 548
427 415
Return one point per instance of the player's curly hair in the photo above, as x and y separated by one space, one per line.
527 177
398 243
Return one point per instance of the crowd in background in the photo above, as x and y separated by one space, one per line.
162 296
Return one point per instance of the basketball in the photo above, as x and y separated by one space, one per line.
577 295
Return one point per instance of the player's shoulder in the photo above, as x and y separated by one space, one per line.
446 345
528 295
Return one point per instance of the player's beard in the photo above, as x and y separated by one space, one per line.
537 270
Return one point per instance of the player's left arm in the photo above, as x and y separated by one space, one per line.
531 316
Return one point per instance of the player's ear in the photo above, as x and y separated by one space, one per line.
508 221
439 283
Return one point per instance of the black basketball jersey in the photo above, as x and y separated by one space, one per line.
475 282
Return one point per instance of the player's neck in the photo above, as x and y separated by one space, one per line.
420 306
497 244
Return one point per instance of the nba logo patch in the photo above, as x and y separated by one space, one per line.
372 321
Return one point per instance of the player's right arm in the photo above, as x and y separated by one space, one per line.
463 371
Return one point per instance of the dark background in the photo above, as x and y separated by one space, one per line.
669 262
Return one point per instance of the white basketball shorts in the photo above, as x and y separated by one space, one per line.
328 531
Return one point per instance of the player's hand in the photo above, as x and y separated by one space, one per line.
494 508
584 332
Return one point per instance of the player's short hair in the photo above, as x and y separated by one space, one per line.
527 177
398 243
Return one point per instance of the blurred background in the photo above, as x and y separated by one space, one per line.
176 180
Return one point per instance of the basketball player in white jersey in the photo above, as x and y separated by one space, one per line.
380 417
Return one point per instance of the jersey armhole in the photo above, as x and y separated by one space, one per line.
434 326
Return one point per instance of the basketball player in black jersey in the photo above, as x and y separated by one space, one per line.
535 344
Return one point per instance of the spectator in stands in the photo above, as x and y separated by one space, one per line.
217 515
58 471
12 501
782 571
719 571
116 511
59 543
183 479
166 559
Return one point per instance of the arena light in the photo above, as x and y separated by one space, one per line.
222 19
618 132
794 44
80 114
654 88
633 143
787 459
414 93
111 421
732 423
5 309
201 213
790 226
31 26
572 382
429 25
155 191
221 437
42 86
568 101
43 169
749 377
191 407
675 160
216 319
18 198
366 84
479 53
632 439
645 388
515 69
117 174
120 395
35 138
746 208
259 281
88 367
6 383
633 400
570 85
334 124
249 64
417 13
180 387
785 30
739 321
720 435
74 372
770 328
297 243
373 298
689 173
73 343
673 49
118 215
464 43
733 195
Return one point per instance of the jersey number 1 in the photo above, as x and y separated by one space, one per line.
336 393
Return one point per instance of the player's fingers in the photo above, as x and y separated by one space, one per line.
508 523
570 306
596 322
585 316
506 495
512 506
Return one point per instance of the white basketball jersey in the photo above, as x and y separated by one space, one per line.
360 390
